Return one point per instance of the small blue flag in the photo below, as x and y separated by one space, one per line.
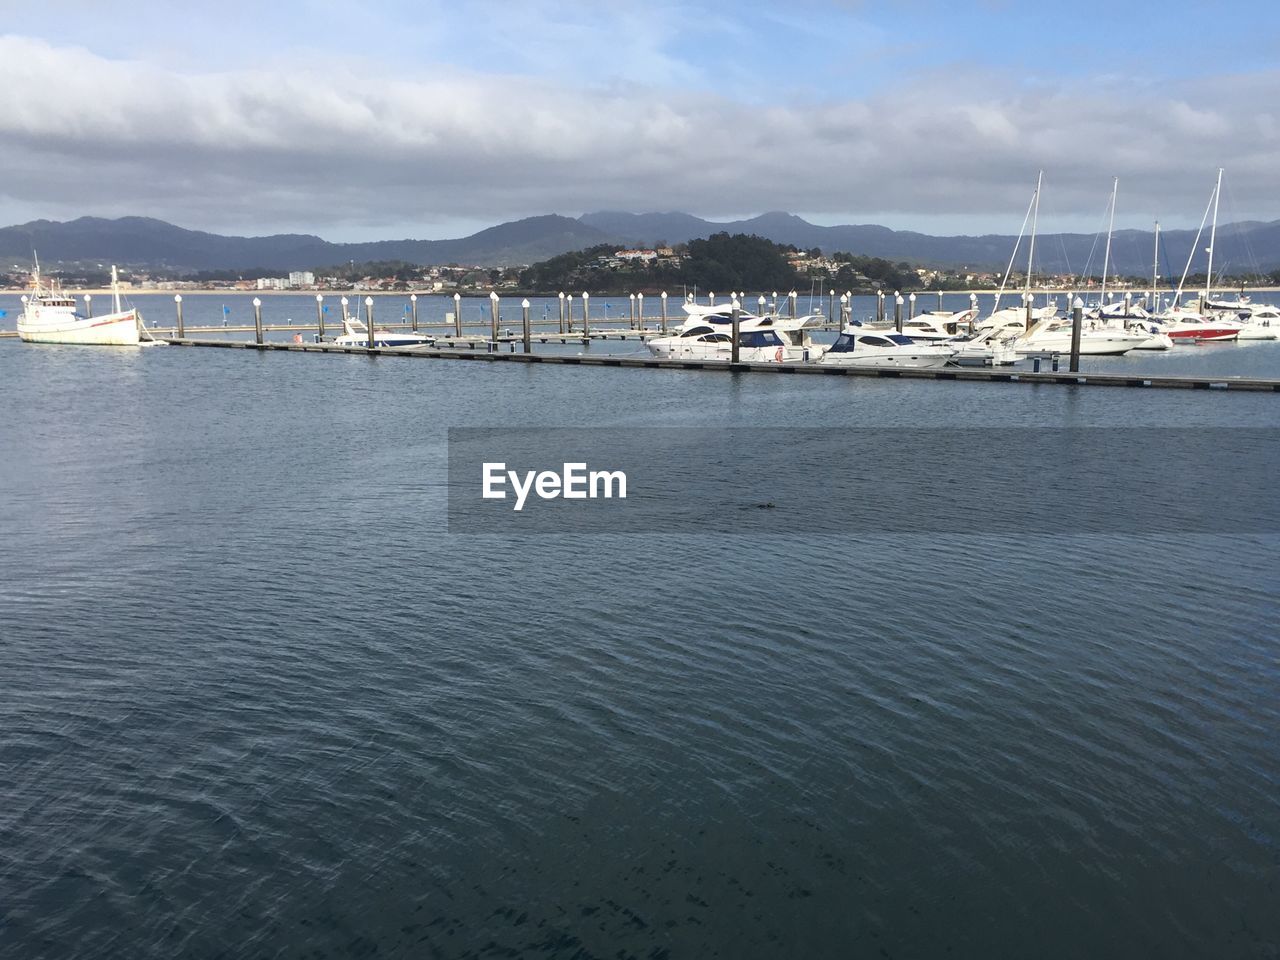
4 313
325 308
226 310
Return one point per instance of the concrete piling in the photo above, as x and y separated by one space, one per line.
368 319
493 320
664 311
897 311
413 302
257 319
320 315
88 305
177 303
524 317
734 348
562 312
1077 321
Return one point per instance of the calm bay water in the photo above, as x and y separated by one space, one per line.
255 700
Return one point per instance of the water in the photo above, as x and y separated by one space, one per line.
256 701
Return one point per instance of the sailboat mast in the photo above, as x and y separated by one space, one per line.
1035 215
1213 236
1106 257
1155 270
115 290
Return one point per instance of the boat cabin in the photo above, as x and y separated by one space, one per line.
848 342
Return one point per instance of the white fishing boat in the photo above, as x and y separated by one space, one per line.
860 348
355 333
49 316
704 342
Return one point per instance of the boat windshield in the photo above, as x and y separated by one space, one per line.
844 344
759 338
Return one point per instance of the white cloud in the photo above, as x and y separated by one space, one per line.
347 149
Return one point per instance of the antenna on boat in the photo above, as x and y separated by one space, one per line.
115 289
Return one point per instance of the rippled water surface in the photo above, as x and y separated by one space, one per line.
256 701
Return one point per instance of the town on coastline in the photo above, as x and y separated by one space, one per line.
722 261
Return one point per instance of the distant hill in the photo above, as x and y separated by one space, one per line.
141 241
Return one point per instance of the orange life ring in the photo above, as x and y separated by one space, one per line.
777 356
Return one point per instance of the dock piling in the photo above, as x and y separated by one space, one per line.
177 303
586 313
88 305
524 311
257 318
457 314
897 311
368 319
911 307
664 311
733 350
639 311
413 302
562 312
320 315
1077 321
346 316
794 299
879 306
493 320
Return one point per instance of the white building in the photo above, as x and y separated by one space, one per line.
302 278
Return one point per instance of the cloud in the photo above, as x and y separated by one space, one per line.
347 149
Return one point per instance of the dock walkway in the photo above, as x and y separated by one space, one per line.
986 375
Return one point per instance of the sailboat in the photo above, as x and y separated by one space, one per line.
1189 326
1010 321
1125 315
49 316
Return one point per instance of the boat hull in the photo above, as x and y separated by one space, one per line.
1203 334
115 330
917 361
1090 346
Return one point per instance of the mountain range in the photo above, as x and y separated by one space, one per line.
1243 247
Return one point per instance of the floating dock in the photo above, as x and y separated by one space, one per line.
982 375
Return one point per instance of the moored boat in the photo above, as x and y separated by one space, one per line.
49 316
356 334
704 342
859 348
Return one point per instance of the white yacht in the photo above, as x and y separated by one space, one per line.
860 348
1262 323
49 316
356 334
794 331
704 342
1054 336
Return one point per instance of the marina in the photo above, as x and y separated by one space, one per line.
565 481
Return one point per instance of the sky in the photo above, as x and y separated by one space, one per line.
433 119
